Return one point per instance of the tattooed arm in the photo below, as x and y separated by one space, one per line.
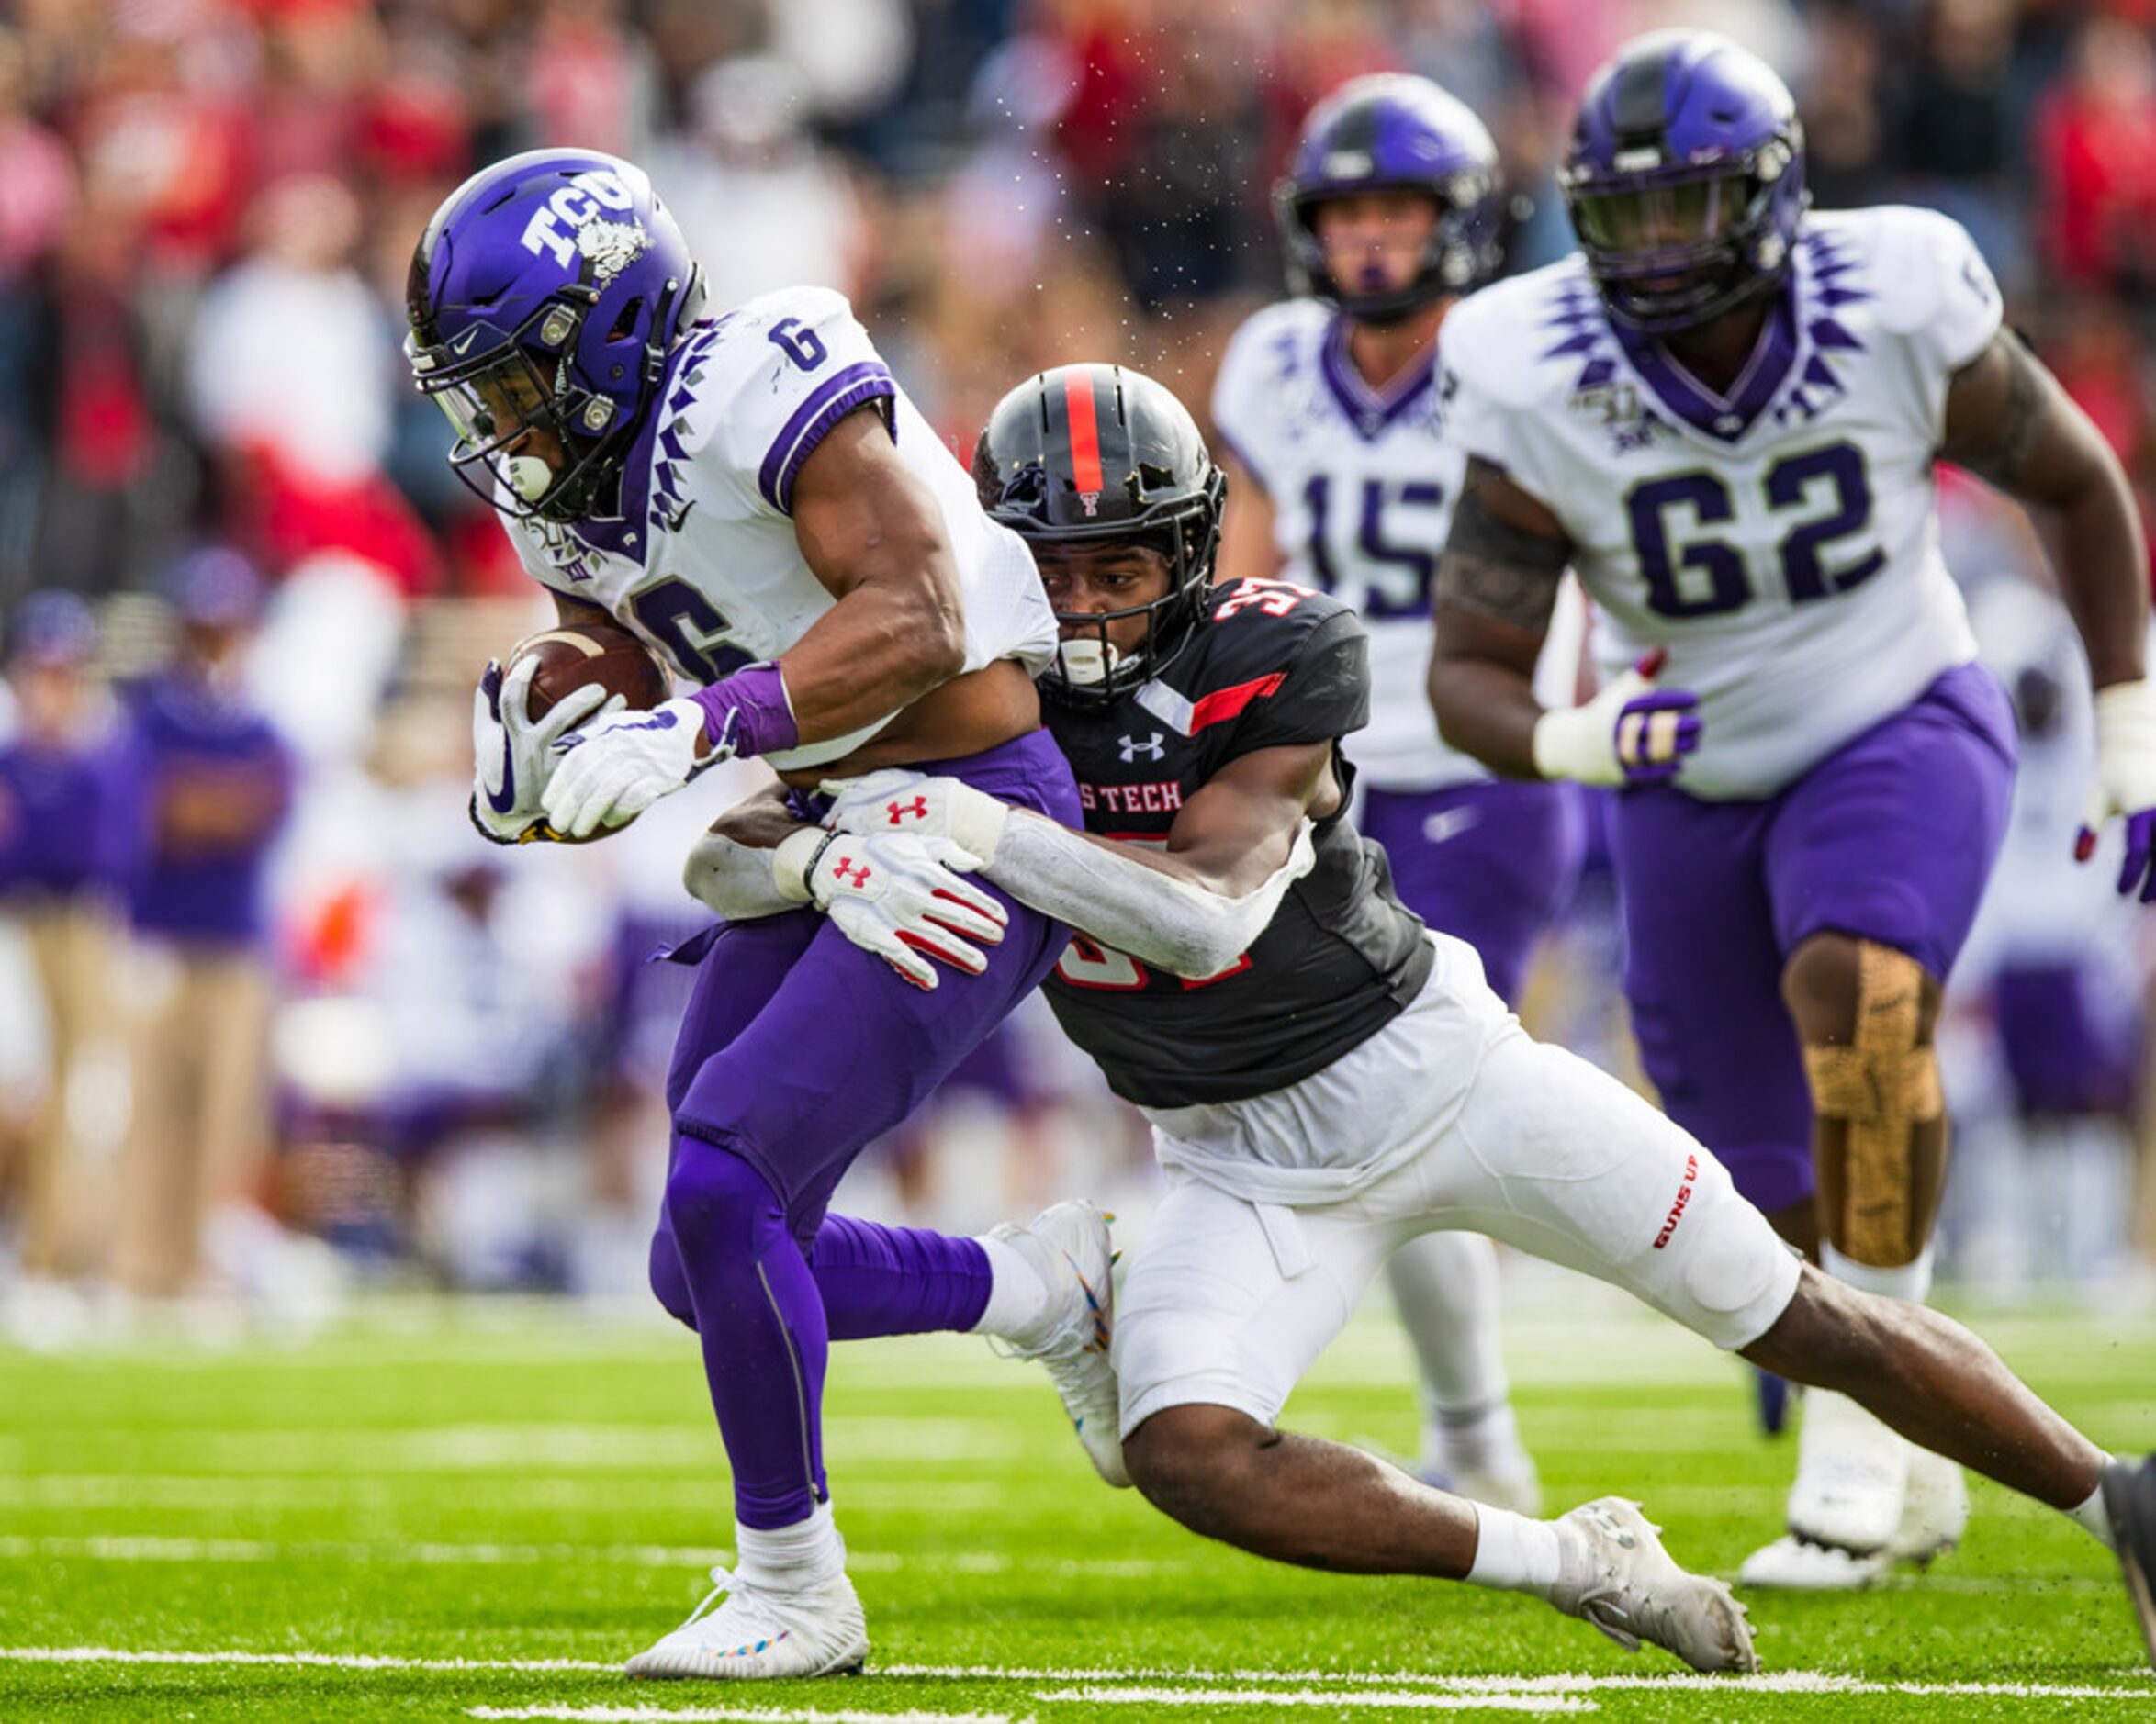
1497 584
2008 422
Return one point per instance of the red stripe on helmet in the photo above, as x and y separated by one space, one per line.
1085 430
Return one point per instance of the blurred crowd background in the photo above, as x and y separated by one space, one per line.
273 1019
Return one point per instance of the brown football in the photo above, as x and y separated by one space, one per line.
577 654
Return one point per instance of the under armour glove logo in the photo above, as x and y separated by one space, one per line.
845 870
899 812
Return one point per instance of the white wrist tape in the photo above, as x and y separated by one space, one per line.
1118 900
1579 743
2126 744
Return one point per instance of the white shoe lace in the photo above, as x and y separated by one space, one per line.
723 1585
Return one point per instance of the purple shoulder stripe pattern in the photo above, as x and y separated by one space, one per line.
834 398
1820 280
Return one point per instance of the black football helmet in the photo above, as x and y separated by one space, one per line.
1088 452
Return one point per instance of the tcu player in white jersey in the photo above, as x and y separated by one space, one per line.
1724 417
753 497
1327 405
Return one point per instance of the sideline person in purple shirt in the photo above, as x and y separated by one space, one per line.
69 842
218 785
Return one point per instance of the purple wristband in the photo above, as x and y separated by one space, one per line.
748 713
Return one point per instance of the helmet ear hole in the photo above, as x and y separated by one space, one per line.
625 325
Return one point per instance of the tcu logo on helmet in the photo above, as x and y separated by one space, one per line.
571 221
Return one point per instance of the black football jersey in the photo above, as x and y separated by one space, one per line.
1270 665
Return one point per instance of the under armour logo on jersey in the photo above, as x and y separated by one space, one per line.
847 870
1152 748
898 813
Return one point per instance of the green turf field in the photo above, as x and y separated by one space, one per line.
451 1512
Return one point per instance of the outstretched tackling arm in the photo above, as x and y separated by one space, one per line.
2008 420
1240 840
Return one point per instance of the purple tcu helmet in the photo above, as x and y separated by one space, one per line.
1393 132
1685 179
543 298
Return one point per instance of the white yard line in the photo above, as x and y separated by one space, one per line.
1418 1700
728 1714
309 1661
1343 1684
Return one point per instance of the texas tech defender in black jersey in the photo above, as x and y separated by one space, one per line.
1267 665
1345 1093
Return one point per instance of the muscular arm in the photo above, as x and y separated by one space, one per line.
2008 420
1247 551
730 867
1194 908
872 534
1497 584
1236 829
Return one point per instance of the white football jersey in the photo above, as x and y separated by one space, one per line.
1783 541
1361 490
702 562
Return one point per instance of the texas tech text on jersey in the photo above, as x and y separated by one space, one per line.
1270 665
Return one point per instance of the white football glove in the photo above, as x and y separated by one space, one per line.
946 810
894 895
1633 731
611 770
512 754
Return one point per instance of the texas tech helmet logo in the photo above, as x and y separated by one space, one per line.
1090 501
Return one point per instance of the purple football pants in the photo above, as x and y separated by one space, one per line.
798 1049
1891 838
1491 863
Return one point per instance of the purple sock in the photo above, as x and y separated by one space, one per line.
896 1280
761 1322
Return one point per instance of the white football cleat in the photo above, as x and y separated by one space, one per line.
1616 1575
1797 1565
1069 1248
1852 1476
1934 1509
756 1635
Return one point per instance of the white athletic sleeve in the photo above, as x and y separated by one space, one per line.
1118 900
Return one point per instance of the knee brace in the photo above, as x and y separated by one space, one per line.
1881 1087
